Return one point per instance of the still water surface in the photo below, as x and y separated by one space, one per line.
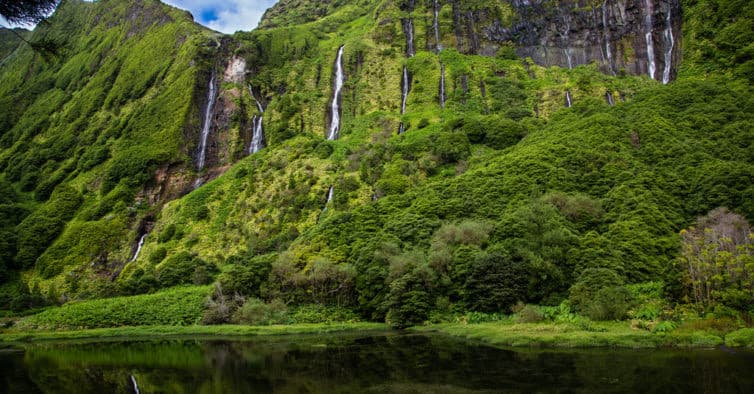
363 363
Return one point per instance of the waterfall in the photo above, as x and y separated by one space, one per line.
401 128
212 95
669 43
259 105
437 27
337 87
442 85
649 10
568 99
257 137
408 30
404 87
566 41
136 386
257 128
609 98
606 32
329 195
329 199
138 247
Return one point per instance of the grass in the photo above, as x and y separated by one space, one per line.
180 331
603 334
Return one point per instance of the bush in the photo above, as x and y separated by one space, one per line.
246 277
451 146
496 282
179 306
180 269
530 314
256 312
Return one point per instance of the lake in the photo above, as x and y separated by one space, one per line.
362 363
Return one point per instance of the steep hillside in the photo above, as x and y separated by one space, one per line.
405 158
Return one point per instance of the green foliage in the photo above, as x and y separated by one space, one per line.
182 268
256 312
599 294
496 282
179 306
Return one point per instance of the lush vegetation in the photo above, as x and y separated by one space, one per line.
502 200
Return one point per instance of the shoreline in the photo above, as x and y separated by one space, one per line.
520 335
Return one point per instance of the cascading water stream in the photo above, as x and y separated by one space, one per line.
257 137
568 99
404 87
436 24
335 106
442 85
136 386
257 127
259 105
609 98
606 32
212 95
408 30
138 247
330 192
669 43
649 10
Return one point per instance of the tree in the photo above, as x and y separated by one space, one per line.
27 11
718 258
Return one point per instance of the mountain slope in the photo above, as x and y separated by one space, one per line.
462 177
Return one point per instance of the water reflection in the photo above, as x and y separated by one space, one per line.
382 363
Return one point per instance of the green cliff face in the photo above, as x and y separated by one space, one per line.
511 178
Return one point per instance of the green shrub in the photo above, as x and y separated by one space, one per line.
530 314
497 281
257 312
180 268
178 306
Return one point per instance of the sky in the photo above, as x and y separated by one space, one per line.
226 16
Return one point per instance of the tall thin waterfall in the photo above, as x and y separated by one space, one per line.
436 25
202 154
257 137
408 30
442 85
566 41
669 43
330 192
649 9
337 87
606 32
136 386
568 99
609 98
404 89
138 247
259 105
257 127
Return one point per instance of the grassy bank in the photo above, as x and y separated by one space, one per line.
601 334
181 331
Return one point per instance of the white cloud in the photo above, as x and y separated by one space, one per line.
225 16
229 16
